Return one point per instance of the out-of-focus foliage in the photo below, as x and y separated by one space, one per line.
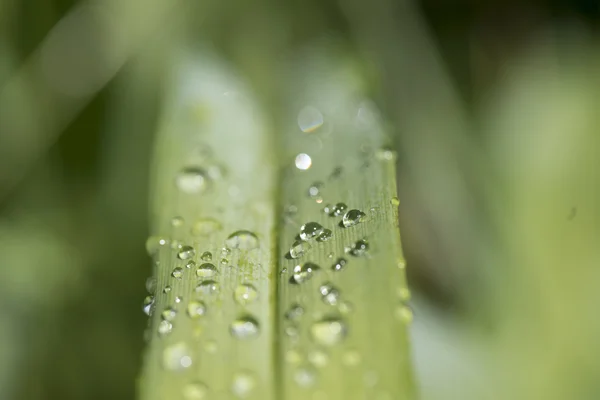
496 127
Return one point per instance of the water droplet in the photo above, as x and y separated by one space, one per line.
338 209
328 331
359 248
395 201
177 357
292 331
225 251
315 189
177 273
330 255
243 384
148 303
164 328
243 240
192 180
310 119
154 243
206 270
324 236
352 218
310 230
304 273
245 294
190 264
206 256
224 261
151 284
206 227
293 357
404 293
329 294
196 309
351 358
303 161
345 307
294 312
186 252
177 221
245 327
385 155
339 265
327 209
299 248
318 358
290 210
305 377
404 313
167 289
208 287
168 314
195 391
178 299
176 245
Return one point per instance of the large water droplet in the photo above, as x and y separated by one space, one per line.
324 236
206 270
245 327
177 273
195 391
243 240
310 230
148 303
305 377
245 294
206 256
340 264
310 119
206 227
177 357
338 209
298 249
208 287
329 294
360 248
196 309
243 384
186 252
154 244
192 180
168 314
303 161
304 273
328 331
164 328
352 218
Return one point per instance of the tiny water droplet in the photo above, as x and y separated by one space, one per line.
310 230
186 252
151 284
245 327
224 261
310 119
177 221
177 357
245 294
324 236
395 201
225 251
385 155
168 314
196 309
304 273
303 161
243 384
360 248
329 294
352 218
192 180
318 358
206 227
148 303
403 293
328 331
330 255
164 328
178 299
208 287
339 265
206 256
206 270
298 249
243 240
338 209
167 289
404 313
327 209
195 391
154 244
177 273
294 312
305 377
190 264
176 245
315 189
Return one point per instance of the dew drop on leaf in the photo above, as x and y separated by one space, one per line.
298 249
177 273
359 248
206 256
196 309
328 331
329 294
243 384
206 270
303 273
245 327
154 244
339 265
177 357
208 287
245 294
352 218
164 328
186 252
168 314
310 230
324 236
206 227
243 240
192 180
305 377
148 303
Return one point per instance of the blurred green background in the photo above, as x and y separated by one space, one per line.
494 110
